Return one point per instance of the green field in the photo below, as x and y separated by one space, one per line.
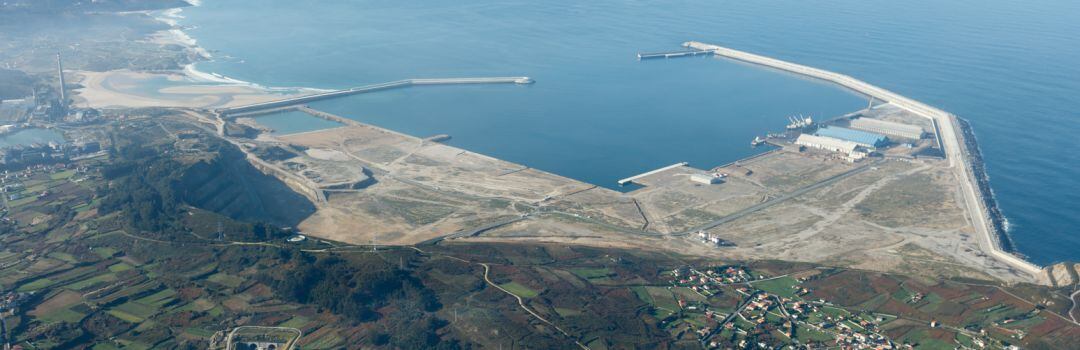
226 279
780 286
295 322
119 267
642 294
662 299
564 312
62 315
135 309
125 316
80 285
105 252
199 332
159 299
62 175
37 284
591 273
63 256
519 290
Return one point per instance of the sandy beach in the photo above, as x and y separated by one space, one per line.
187 88
125 88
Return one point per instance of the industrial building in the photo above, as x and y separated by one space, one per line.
851 149
707 179
888 128
862 138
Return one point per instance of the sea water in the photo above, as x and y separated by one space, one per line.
27 137
598 114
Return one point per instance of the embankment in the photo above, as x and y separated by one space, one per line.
982 179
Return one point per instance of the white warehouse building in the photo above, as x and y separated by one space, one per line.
832 144
887 128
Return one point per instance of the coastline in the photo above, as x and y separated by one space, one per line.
187 87
176 35
212 90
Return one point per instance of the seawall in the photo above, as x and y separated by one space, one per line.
953 144
370 88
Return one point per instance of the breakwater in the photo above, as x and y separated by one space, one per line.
368 88
952 143
978 170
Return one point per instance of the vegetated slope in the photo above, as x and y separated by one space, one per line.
227 184
161 169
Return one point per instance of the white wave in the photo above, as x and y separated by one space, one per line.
195 74
183 38
172 17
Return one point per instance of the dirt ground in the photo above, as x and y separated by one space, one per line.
893 214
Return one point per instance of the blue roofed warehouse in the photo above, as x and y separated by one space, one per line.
863 138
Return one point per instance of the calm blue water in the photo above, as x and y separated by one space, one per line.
27 137
597 114
291 122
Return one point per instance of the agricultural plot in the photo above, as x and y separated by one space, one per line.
519 290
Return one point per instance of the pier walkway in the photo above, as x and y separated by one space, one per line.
672 54
950 137
369 88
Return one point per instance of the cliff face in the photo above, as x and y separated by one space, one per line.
1062 274
227 184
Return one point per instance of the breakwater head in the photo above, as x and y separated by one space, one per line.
956 147
368 88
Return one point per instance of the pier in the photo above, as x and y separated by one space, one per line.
672 54
947 125
638 176
370 88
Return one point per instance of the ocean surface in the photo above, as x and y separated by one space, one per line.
598 114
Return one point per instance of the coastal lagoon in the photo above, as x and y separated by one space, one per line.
597 114
26 137
292 122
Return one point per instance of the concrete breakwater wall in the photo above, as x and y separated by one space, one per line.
328 116
370 88
978 170
952 143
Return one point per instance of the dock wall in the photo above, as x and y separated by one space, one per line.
953 143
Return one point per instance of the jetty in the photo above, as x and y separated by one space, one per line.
638 176
368 88
672 54
947 125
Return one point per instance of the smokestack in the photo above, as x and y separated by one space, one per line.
60 74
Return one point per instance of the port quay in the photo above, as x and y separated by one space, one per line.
945 123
